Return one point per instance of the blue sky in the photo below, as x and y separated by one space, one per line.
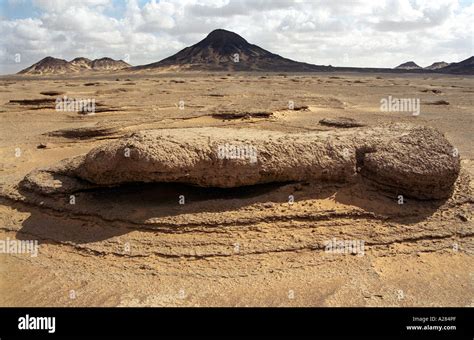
22 9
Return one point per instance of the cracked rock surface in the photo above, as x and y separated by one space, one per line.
410 160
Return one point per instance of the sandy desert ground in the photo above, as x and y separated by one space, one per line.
135 245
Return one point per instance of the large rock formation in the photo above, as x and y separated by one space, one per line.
405 159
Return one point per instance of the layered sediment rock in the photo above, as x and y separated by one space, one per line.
410 160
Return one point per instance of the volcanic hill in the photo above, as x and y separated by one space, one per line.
225 50
463 67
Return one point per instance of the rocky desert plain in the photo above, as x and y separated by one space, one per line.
133 205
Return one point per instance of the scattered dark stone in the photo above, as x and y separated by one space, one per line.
52 93
438 102
85 132
341 122
112 91
39 103
435 91
228 115
300 107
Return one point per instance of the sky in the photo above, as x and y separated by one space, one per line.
360 33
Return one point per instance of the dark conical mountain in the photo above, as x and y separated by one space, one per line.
463 67
225 50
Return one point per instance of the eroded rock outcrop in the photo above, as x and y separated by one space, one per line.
405 159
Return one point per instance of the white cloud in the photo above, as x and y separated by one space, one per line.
350 33
158 15
61 5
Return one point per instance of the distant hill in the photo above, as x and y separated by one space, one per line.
108 64
50 65
409 65
82 63
225 50
437 65
463 67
